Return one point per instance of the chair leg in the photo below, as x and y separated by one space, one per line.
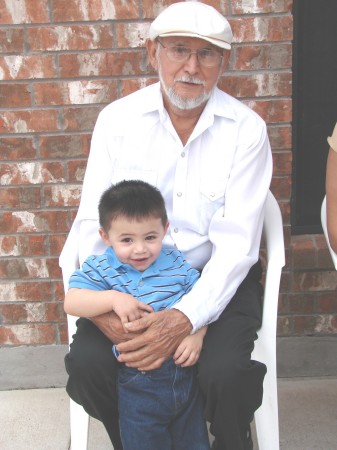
79 426
266 417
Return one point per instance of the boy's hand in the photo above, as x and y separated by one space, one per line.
129 309
125 308
188 352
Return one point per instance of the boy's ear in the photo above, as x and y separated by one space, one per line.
104 236
166 227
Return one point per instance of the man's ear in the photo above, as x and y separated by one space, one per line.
104 236
225 61
151 47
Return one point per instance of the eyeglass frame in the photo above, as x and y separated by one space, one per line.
196 52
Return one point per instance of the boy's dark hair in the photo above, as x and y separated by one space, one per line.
133 199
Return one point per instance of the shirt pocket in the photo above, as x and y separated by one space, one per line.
212 198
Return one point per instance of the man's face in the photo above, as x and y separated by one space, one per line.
188 84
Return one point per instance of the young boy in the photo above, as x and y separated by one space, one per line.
160 408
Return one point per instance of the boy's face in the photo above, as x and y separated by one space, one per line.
137 243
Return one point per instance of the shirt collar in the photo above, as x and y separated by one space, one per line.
113 260
218 106
154 101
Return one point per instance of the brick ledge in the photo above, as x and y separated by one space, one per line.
42 366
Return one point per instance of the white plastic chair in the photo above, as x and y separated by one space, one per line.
79 419
325 230
266 417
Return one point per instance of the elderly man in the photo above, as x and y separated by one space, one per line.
210 157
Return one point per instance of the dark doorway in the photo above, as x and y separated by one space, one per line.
314 107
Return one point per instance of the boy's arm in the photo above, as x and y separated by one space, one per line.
90 303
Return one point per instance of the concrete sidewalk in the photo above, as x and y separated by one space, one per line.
38 419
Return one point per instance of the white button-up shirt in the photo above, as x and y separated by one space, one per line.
214 188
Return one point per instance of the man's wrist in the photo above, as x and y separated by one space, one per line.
182 317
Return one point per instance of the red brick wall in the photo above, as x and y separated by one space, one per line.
58 68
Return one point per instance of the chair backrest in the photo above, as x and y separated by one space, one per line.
325 230
266 417
71 320
273 231
275 260
69 262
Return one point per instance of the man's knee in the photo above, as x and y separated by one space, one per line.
90 353
86 364
221 373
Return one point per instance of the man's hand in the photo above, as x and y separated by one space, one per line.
164 331
110 324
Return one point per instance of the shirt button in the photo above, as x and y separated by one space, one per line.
183 154
212 194
141 283
179 194
176 230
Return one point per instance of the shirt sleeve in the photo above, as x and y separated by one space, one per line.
88 277
235 229
192 276
83 239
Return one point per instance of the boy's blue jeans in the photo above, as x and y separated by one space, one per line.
161 409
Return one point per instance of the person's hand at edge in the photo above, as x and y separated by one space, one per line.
332 140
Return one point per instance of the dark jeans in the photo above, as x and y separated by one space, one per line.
161 409
230 381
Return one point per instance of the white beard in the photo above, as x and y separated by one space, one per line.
181 102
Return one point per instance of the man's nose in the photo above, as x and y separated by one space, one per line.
192 64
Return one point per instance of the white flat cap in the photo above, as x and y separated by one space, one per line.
194 19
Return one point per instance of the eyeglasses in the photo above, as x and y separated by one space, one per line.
206 57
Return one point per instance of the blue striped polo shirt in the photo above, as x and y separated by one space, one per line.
161 285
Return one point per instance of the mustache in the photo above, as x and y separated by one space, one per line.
189 79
